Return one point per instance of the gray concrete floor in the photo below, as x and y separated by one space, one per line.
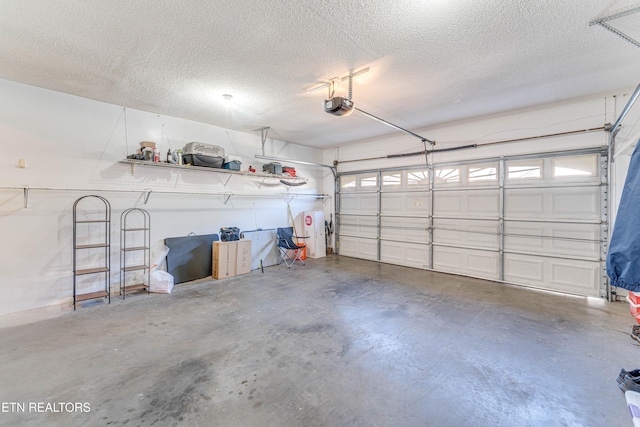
337 342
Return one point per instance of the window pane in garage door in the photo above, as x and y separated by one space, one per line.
483 173
368 181
348 182
524 169
417 178
578 166
447 175
391 179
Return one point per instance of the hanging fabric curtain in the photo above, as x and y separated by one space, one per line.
623 259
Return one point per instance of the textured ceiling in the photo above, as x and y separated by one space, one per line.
430 61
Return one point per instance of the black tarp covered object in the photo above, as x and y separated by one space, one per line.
189 257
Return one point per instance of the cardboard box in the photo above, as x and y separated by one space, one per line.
231 258
147 144
243 265
224 259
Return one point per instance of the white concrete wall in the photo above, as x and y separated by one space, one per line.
73 146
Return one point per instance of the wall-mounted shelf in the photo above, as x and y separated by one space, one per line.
229 172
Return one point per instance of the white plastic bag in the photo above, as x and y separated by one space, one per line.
159 255
161 282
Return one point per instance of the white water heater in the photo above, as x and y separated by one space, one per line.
314 233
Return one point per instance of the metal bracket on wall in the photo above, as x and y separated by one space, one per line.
262 182
324 197
615 128
147 193
227 196
263 135
26 197
228 179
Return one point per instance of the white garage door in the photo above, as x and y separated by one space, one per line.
466 219
554 222
536 221
358 216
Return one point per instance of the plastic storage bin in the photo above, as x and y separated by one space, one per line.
274 168
233 165
201 154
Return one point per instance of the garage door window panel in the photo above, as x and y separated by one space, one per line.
348 182
447 176
368 182
520 171
482 175
417 179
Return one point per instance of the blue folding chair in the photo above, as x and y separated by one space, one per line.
290 252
